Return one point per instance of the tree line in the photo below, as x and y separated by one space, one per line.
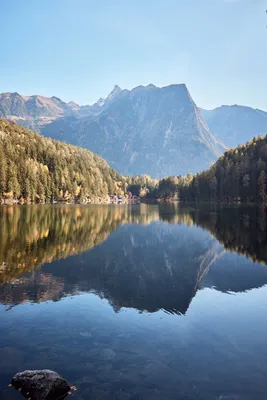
239 175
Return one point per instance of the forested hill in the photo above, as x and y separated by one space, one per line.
38 169
238 175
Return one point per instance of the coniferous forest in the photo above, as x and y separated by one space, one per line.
35 169
239 175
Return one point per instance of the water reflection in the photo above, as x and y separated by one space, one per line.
143 257
91 262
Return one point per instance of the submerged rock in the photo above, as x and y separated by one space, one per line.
41 385
105 354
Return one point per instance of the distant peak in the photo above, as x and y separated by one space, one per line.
56 99
115 91
116 88
100 102
73 105
15 94
143 88
178 86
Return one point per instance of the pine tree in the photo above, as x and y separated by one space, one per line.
262 187
3 168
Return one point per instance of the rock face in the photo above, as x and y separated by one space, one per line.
235 125
157 131
41 385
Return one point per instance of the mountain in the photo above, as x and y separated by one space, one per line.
36 111
37 169
33 111
152 130
157 131
235 124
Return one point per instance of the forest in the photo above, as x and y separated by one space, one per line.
34 169
239 175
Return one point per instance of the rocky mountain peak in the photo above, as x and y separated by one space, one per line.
73 105
100 102
158 131
115 91
151 86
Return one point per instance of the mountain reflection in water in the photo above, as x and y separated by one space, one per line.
143 257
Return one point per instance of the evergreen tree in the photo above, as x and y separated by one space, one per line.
262 187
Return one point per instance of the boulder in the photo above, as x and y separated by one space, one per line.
41 385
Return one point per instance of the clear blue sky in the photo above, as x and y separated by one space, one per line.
78 49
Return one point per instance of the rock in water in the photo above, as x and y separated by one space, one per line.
41 385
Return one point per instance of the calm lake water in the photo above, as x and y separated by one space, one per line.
136 302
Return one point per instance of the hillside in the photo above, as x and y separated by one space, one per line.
36 169
148 130
239 175
235 125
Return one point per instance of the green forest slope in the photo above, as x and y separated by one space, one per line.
239 175
38 169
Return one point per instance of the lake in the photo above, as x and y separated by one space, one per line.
136 302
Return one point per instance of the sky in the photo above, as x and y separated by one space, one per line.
79 49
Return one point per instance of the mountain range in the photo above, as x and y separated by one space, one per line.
235 125
146 130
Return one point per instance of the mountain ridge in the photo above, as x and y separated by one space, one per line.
235 124
148 129
144 130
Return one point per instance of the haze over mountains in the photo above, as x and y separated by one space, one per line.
146 130
235 124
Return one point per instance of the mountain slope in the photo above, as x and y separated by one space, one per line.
157 131
37 169
33 111
235 125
